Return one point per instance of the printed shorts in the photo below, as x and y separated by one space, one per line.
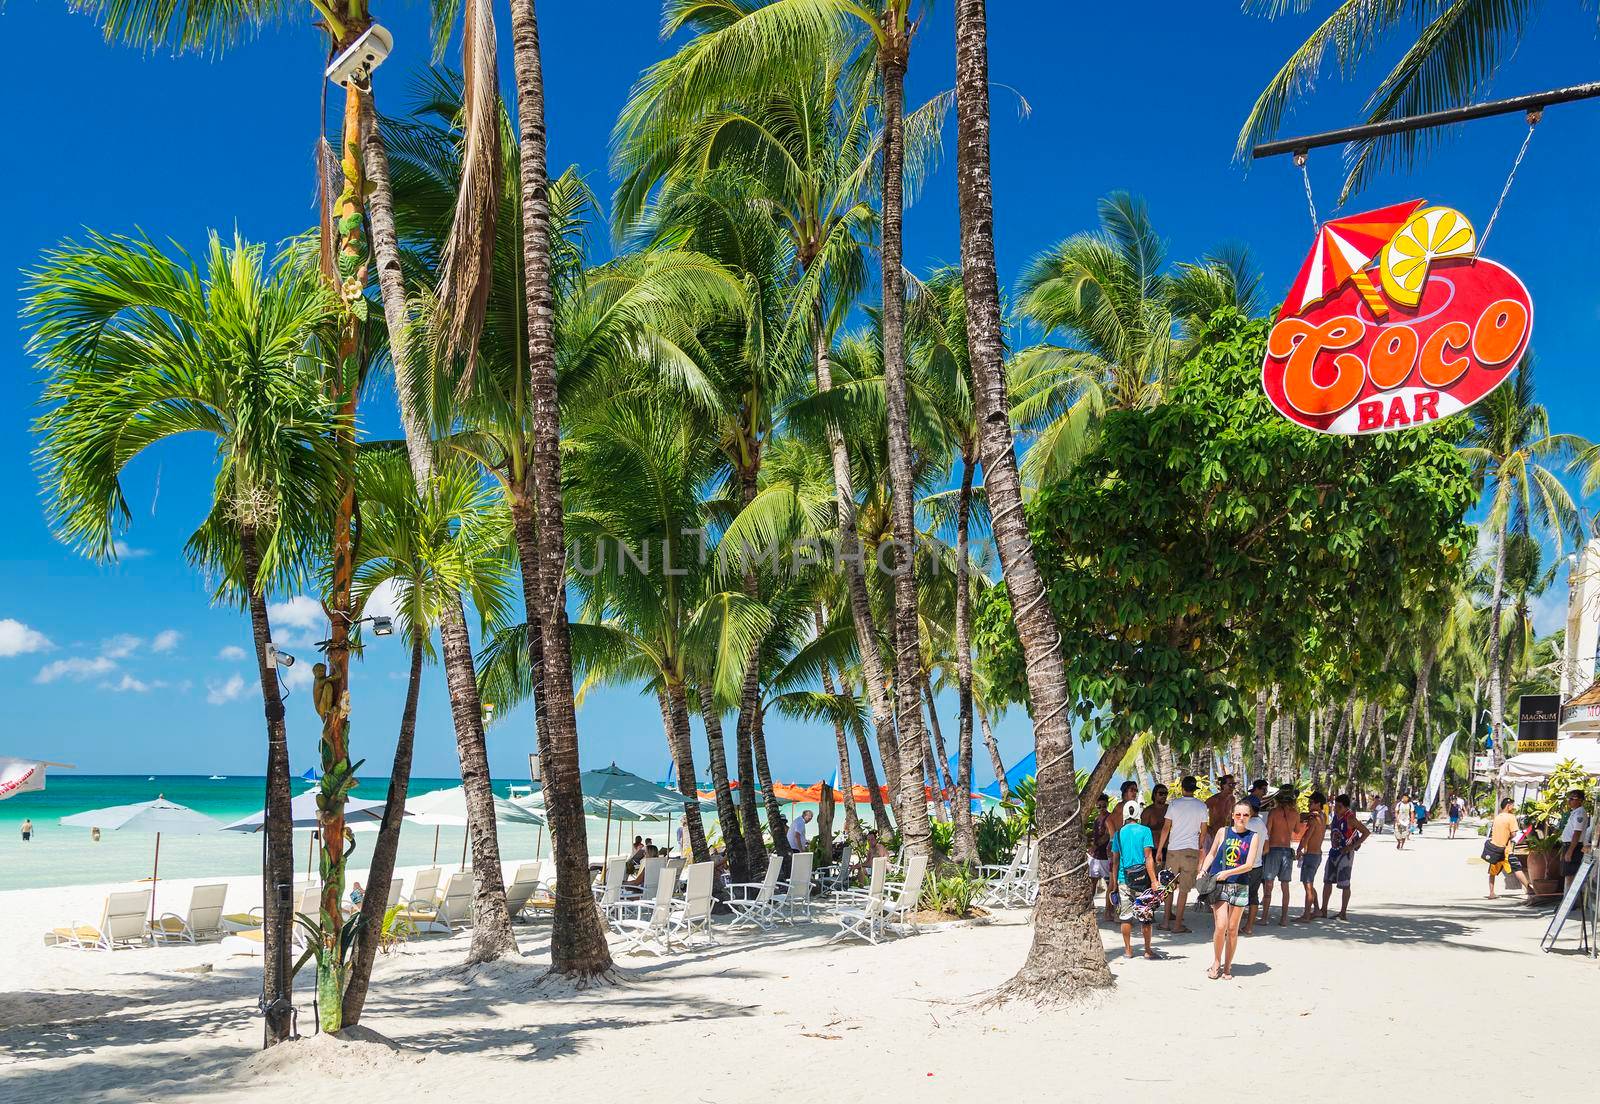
1278 864
1308 867
1402 831
1236 894
1339 866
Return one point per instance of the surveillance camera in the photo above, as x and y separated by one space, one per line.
277 658
361 57
382 626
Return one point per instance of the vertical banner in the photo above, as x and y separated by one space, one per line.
1441 760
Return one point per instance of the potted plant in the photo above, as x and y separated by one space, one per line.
1544 816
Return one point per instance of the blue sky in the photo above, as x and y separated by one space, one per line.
129 668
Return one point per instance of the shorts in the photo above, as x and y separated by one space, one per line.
1099 868
1253 881
1236 894
1569 867
1308 867
1278 864
1186 865
1338 872
1455 819
1402 831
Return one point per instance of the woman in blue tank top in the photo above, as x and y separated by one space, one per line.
1234 852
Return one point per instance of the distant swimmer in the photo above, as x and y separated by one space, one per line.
27 830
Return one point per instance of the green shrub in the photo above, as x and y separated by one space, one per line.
953 894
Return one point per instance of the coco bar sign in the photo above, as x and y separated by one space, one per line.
1394 321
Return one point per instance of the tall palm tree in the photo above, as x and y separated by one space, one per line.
425 552
1509 445
1124 319
139 347
1066 956
1451 52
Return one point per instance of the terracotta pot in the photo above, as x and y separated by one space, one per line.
1544 872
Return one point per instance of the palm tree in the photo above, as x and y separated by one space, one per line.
1066 956
1453 50
1125 321
426 552
1508 446
139 347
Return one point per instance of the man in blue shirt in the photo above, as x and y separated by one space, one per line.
1133 859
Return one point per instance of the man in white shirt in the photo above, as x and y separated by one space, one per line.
797 831
1573 834
1180 841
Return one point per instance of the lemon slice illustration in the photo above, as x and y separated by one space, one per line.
1433 234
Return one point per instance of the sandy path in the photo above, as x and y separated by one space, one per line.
1425 968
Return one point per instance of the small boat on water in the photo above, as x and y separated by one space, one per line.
218 778
152 778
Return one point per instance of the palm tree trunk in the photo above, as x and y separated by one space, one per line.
727 818
966 840
749 812
676 714
1408 729
375 903
995 762
1258 749
749 727
491 933
1066 956
914 830
777 824
869 776
873 677
277 872
577 944
1497 686
852 821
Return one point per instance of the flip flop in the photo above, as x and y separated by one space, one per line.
1182 930
1213 973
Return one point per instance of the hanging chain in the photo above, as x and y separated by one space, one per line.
1300 159
1533 121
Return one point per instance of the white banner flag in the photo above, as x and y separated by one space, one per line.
1436 776
20 776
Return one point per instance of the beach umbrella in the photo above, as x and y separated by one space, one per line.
613 785
159 817
1344 247
449 808
23 775
359 816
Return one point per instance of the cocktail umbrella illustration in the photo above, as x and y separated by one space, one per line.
1343 250
1433 234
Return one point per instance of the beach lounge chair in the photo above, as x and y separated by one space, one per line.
203 922
454 911
122 923
752 902
797 889
865 921
909 892
424 889
524 884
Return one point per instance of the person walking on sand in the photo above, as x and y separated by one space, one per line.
1380 813
1234 852
1180 842
1346 834
1405 818
1497 848
1310 852
1573 834
1218 807
1100 854
1278 865
1154 815
1457 807
27 829
1133 858
1258 828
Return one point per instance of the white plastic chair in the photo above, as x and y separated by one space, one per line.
645 920
616 873
908 893
797 890
455 911
755 909
424 889
693 914
204 920
866 920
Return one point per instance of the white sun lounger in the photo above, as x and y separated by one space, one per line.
122 923
455 911
524 884
204 920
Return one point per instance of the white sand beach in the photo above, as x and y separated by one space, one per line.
1428 989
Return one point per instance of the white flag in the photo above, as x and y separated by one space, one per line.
20 776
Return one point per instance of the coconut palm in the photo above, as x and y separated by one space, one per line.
1123 319
1451 52
1066 955
139 346
422 553
1509 445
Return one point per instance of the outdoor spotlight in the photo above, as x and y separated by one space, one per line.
356 63
382 626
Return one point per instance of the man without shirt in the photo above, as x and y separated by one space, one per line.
1219 808
1278 865
1310 852
1129 792
1153 816
1346 834
1181 830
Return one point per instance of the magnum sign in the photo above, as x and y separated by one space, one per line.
1538 722
1394 321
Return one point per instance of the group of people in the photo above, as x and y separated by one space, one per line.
1233 849
1499 849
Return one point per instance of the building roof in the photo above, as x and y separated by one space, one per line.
1591 696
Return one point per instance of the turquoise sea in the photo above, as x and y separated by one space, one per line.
58 855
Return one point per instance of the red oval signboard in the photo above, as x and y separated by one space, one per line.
1394 322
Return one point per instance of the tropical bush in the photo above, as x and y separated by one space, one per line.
952 894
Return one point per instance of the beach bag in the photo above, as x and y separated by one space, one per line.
1137 878
1205 886
1493 854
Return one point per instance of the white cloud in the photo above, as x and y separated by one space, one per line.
165 640
77 669
120 646
221 693
299 612
384 601
232 653
129 684
18 639
297 677
126 551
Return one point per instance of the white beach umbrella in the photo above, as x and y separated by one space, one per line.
359 816
22 775
158 817
448 808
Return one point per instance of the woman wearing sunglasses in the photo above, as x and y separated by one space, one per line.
1234 852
